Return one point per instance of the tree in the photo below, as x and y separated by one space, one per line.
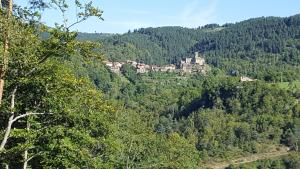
129 72
24 67
8 5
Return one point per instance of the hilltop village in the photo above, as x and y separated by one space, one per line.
195 64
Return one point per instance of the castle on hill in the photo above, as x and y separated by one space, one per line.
196 64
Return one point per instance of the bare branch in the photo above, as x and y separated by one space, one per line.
10 123
27 114
75 23
10 120
30 158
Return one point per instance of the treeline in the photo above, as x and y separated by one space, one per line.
264 48
63 108
221 117
201 117
151 45
166 120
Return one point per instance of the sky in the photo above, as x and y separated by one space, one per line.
123 15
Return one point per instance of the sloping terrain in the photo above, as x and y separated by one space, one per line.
266 48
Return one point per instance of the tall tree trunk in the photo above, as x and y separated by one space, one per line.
25 159
10 120
1 87
9 125
3 69
7 132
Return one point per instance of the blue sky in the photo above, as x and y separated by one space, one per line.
123 15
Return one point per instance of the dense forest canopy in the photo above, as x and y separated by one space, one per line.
221 116
266 48
62 107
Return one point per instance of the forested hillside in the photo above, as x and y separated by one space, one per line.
264 48
221 117
150 45
62 107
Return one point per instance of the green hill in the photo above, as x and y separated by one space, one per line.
266 48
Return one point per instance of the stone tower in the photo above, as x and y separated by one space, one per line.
198 60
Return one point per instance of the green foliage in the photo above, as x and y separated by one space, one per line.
165 120
264 48
71 111
151 45
258 47
58 120
79 127
220 116
129 72
287 162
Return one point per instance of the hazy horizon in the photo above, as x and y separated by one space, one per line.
121 16
184 26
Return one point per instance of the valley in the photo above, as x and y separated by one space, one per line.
166 97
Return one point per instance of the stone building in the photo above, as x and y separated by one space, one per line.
142 68
114 66
132 63
198 60
155 68
195 64
168 68
246 79
187 65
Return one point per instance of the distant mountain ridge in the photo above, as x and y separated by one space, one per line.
266 47
93 36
